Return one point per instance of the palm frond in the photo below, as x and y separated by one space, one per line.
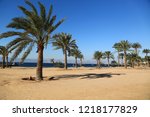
10 33
26 12
14 42
26 53
42 11
58 24
32 6
49 13
18 51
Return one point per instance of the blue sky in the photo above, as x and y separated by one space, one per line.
95 24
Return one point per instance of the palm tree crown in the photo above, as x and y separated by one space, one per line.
66 43
146 51
32 29
136 46
117 46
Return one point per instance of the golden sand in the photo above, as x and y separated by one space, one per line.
76 84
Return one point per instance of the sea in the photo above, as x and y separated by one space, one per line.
51 65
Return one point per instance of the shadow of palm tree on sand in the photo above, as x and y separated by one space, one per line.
85 76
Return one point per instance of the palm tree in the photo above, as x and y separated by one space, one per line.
66 43
98 55
33 29
5 50
108 55
117 46
146 51
132 57
139 60
76 53
81 57
125 46
8 49
3 53
136 46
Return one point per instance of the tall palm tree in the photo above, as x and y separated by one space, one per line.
81 57
76 53
98 56
125 45
136 46
66 43
32 29
108 55
117 46
146 51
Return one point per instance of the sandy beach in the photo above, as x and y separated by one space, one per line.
76 84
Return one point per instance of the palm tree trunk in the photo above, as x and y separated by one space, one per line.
6 60
81 62
125 59
99 63
76 62
39 70
3 62
136 51
118 59
65 60
108 61
133 64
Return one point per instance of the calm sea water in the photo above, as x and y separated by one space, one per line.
51 65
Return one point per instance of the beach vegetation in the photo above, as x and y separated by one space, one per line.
81 57
65 42
98 56
125 46
108 55
76 54
136 46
